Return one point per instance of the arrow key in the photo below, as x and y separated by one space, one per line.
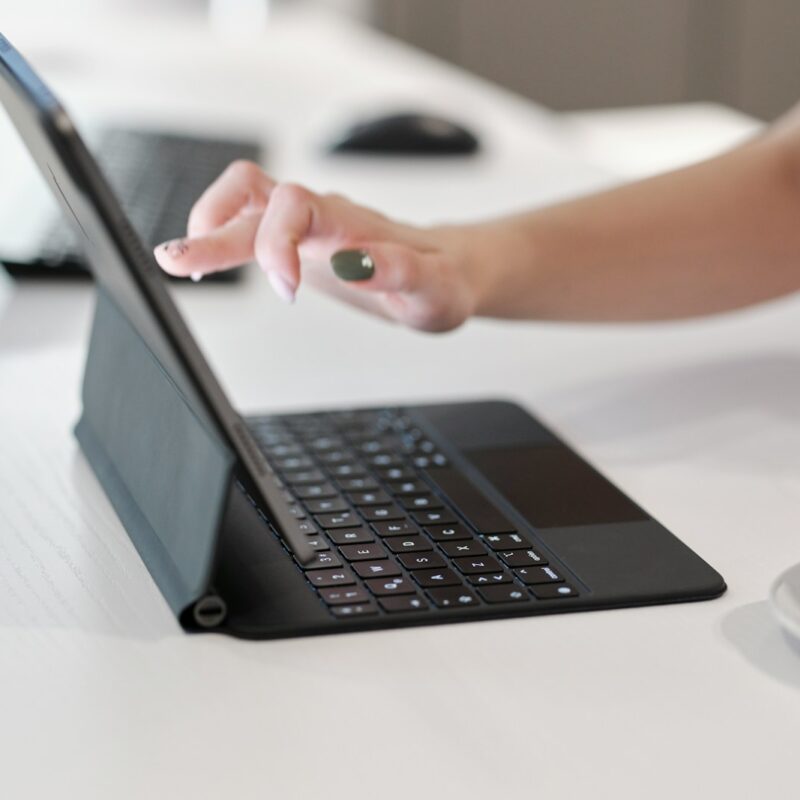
489 579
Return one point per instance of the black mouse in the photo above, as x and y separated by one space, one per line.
407 134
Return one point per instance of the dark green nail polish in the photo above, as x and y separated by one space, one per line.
353 265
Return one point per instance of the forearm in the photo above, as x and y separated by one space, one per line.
705 239
712 237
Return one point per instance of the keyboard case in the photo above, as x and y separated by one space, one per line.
167 475
219 562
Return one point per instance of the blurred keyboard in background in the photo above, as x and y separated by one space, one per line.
157 178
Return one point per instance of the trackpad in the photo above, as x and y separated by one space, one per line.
554 488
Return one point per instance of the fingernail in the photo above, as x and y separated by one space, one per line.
175 248
196 276
353 265
281 287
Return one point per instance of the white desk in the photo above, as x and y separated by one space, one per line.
102 695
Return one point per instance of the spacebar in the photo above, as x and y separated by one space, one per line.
469 501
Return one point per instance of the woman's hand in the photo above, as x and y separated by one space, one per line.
707 238
419 277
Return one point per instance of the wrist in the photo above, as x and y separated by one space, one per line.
482 256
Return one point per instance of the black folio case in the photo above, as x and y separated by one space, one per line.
221 564
198 498
167 475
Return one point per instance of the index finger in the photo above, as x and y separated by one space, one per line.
227 246
243 184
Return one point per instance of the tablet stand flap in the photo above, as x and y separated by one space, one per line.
165 471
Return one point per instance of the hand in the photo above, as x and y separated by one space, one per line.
415 276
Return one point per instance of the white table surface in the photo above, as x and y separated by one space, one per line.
102 695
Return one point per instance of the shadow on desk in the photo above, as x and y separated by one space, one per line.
753 631
734 412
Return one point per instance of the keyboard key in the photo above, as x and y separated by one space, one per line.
455 549
452 597
312 491
383 460
375 569
522 558
420 501
372 446
347 519
333 458
553 591
269 437
360 610
318 543
398 528
477 565
306 526
397 474
378 513
336 596
421 560
401 422
363 552
377 498
403 603
327 505
363 484
433 517
351 536
347 471
303 431
298 512
386 586
536 575
507 593
506 541
489 578
301 477
303 424
436 577
409 488
323 443
408 544
447 533
294 463
322 561
284 450
331 577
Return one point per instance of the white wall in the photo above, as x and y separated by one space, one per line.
590 53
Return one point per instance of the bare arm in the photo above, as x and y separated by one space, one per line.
708 238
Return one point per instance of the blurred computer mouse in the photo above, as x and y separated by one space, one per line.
408 134
784 597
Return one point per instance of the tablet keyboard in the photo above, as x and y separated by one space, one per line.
396 528
157 178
